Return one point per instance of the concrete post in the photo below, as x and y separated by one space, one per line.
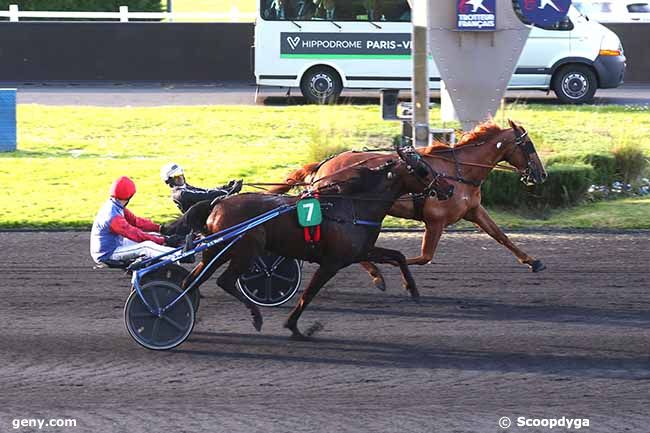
420 39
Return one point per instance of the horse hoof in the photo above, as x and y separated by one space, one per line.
537 266
415 294
257 322
380 284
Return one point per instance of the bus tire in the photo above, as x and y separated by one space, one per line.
321 85
575 84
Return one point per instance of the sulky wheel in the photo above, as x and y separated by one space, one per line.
271 281
175 274
164 332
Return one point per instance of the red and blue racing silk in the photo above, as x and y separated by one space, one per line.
112 223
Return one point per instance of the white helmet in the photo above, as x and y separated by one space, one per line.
170 170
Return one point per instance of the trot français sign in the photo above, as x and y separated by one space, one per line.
474 15
346 45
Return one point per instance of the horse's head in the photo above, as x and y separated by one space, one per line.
426 178
524 157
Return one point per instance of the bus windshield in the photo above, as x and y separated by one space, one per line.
335 10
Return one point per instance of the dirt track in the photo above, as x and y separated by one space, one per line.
489 339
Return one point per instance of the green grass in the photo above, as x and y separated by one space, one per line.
216 6
68 156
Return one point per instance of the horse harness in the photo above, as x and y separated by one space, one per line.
520 142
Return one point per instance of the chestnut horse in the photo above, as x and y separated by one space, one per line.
354 200
466 166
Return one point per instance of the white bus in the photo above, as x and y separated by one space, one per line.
325 46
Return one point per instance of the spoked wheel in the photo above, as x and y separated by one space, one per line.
271 281
154 332
175 274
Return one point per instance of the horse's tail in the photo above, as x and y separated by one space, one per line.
192 220
296 177
198 214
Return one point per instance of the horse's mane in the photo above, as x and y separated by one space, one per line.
481 132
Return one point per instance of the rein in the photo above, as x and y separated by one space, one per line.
347 167
519 141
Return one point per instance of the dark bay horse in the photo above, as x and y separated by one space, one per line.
354 200
466 166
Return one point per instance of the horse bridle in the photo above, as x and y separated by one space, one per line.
525 144
521 142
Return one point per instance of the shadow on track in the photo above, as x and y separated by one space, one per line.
360 353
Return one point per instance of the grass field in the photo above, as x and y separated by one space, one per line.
68 156
247 6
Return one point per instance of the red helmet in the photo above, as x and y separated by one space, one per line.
123 188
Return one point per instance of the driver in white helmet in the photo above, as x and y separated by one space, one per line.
186 195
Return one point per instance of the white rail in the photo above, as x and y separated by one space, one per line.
234 15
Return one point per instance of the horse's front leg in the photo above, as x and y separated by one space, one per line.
322 275
385 255
482 219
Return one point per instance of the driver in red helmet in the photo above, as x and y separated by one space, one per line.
119 235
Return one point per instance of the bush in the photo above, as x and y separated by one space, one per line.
631 163
604 165
84 5
566 186
325 142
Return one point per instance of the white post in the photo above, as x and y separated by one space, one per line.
13 13
420 43
124 14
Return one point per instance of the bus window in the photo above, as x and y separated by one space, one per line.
336 10
394 10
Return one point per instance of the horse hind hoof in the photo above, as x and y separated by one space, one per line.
537 266
257 322
380 284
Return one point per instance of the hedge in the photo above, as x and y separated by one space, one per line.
605 166
566 185
84 5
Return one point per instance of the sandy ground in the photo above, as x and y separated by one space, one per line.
488 339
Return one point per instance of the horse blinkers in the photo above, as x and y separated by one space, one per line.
422 171
532 174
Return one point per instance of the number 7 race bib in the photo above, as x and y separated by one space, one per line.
309 212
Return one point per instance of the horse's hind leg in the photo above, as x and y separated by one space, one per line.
385 255
322 275
375 274
196 273
241 259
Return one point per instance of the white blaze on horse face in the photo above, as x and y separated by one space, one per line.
499 144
